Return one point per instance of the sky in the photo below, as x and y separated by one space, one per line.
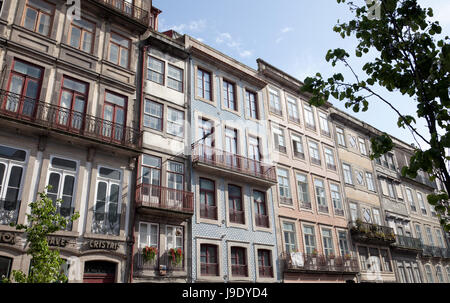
294 36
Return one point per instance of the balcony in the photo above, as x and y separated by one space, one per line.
162 200
316 161
9 210
66 121
153 266
323 208
262 220
126 9
106 223
306 205
436 252
407 243
320 264
237 216
339 212
239 270
233 166
371 233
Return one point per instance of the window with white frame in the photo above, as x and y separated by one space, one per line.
340 136
398 191
343 243
175 122
429 235
320 195
12 166
297 145
148 237
352 141
62 180
376 216
362 146
283 185
359 177
370 182
336 198
329 158
229 95
439 238
156 70
293 110
175 78
278 139
153 115
366 214
409 197
309 117
448 273
303 192
353 211
175 181
327 238
347 173
417 274
421 203
324 126
429 273
252 104
289 237
439 274
107 205
314 153
274 102
310 239
419 233
174 240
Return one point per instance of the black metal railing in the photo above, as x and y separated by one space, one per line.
408 242
128 9
237 216
368 232
436 252
208 212
261 220
320 263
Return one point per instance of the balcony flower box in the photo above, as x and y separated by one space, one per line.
149 253
176 255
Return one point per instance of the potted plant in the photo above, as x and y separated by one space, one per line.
347 256
331 255
149 253
177 255
314 253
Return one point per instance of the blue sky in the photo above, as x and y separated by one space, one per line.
293 35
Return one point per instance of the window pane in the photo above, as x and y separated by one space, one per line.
12 153
30 19
44 24
64 164
75 37
109 173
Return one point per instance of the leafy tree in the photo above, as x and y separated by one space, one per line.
409 60
43 221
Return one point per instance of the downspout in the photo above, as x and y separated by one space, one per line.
189 139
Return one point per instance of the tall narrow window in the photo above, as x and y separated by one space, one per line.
297 145
209 260
314 153
229 95
362 146
175 181
265 267
353 211
107 207
309 117
336 198
366 214
148 236
205 137
231 145
284 186
289 237
343 243
421 203
320 195
347 173
38 16
156 70
174 240
439 238
429 273
310 239
293 114
274 102
119 50
82 33
329 158
409 197
252 104
153 115
175 122
303 191
278 139
239 262
363 256
235 206
429 236
375 259
62 179
114 116
370 183
254 152
340 136
261 217
376 216
204 88
73 100
419 233
24 85
327 242
439 275
175 78
324 126
208 207
5 267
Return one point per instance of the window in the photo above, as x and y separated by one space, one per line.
398 191
429 235
347 173
419 233
343 243
309 117
239 262
235 206
324 127
174 239
25 81
353 211
359 177
12 166
401 271
336 198
303 191
278 139
231 146
208 208
175 78
283 185
340 136
329 158
310 239
114 111
73 100
205 132
366 214
448 273
429 274
107 207
274 102
390 161
320 195
421 203
374 260
204 88
175 180
314 153
148 236
153 115
370 183
119 50
62 179
363 256
390 186
38 16
298 146
156 70
265 263
327 242
417 275
409 197
261 217
252 104
289 237
439 275
254 152
5 267
362 146
293 110
175 122
229 95
151 170
376 216
209 261
82 33
439 238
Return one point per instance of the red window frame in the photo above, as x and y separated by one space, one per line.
252 109
202 93
206 206
227 86
71 109
38 17
204 253
265 270
239 266
113 120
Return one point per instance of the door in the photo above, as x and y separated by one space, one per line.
231 147
114 111
254 154
99 272
72 104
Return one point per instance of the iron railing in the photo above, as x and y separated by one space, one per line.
339 212
208 212
28 110
265 271
374 233
154 196
9 210
209 269
212 156
239 270
321 263
237 216
323 208
436 252
154 265
261 220
128 9
408 242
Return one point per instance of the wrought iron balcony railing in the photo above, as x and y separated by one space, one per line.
9 210
408 242
339 212
58 118
215 157
306 205
141 264
372 233
320 263
106 223
435 252
261 220
237 216
128 9
239 270
154 196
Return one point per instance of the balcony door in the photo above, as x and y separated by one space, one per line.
206 139
151 179
231 147
72 104
175 183
24 88
254 153
114 118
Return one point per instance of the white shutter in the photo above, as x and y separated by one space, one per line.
398 189
384 187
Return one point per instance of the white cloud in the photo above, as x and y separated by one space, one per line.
228 40
193 26
287 30
246 53
223 37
